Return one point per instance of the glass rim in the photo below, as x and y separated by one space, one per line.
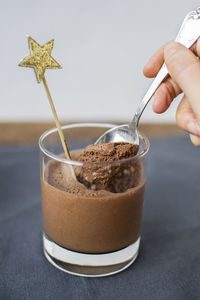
81 163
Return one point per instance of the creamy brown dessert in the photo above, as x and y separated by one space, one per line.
104 176
101 211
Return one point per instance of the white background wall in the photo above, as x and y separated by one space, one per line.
102 46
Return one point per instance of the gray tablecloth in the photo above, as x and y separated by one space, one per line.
168 266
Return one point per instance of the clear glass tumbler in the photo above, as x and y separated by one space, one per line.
89 232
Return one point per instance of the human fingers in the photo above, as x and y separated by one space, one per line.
186 118
155 62
195 140
184 68
165 94
168 90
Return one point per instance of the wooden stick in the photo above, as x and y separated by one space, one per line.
60 132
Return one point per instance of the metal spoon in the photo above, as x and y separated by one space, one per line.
187 36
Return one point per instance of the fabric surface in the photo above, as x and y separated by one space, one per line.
168 266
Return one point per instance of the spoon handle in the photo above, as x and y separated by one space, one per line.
187 36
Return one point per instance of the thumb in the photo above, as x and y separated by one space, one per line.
195 140
184 68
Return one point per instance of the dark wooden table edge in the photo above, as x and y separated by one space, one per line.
18 133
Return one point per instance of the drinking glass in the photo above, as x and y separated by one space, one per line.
86 231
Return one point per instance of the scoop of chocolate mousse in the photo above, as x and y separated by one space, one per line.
105 167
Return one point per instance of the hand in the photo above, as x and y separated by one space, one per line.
184 69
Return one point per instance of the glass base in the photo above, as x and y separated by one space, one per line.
89 265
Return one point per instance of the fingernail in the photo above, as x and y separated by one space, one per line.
193 128
170 48
195 140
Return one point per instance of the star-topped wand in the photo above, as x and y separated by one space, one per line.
40 59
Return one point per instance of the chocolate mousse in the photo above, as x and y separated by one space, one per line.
101 211
117 177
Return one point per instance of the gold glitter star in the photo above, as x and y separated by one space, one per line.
40 58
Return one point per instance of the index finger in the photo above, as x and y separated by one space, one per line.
155 63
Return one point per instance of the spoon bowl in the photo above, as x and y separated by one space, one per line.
122 133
